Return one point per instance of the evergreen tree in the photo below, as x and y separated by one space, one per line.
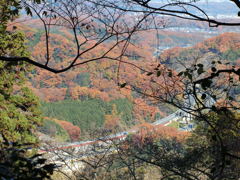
19 113
19 108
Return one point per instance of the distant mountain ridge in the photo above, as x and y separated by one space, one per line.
216 8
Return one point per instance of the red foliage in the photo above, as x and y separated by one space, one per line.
149 132
73 131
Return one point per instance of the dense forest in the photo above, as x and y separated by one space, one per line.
96 83
95 93
110 90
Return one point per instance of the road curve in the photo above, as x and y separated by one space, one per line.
122 135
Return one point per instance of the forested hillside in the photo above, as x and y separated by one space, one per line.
134 89
221 52
88 95
226 46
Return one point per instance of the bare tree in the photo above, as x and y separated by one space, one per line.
189 10
92 25
96 22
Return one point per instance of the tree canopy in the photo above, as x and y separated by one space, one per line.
20 113
19 110
204 89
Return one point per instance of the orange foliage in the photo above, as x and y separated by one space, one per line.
222 42
171 53
142 109
150 131
73 131
112 120
105 74
78 91
52 94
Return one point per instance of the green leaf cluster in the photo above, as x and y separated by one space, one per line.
89 113
53 129
19 108
10 9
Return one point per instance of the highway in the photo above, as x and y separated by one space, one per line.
189 102
121 135
71 157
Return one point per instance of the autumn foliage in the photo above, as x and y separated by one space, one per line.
101 79
73 131
112 120
149 132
